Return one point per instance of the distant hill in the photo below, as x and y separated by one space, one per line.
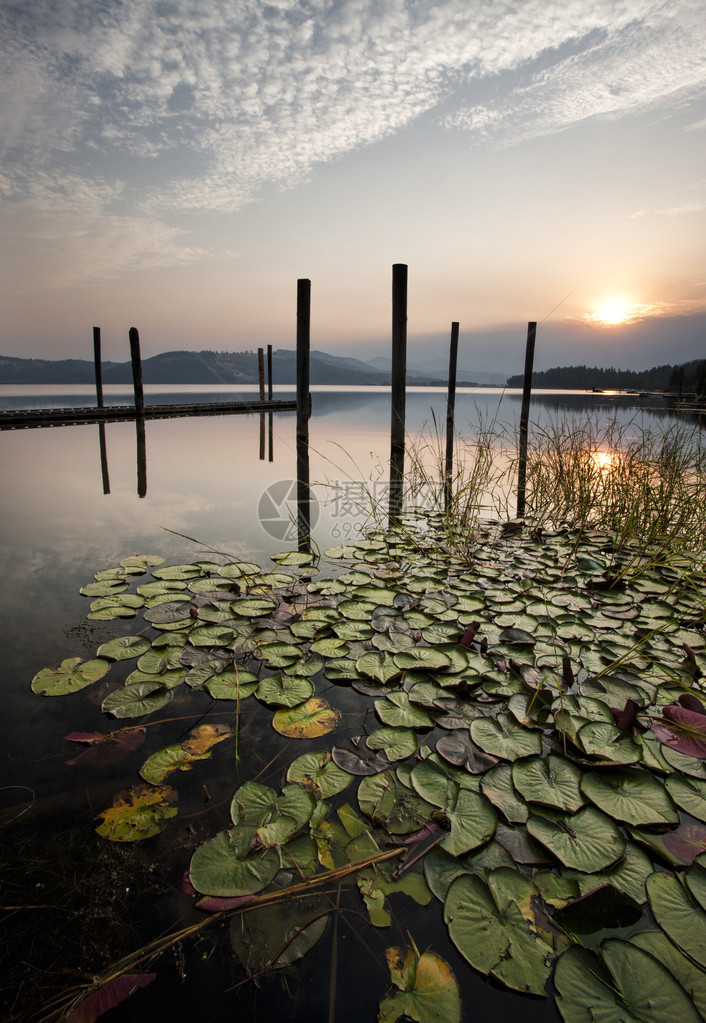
208 367
204 367
659 378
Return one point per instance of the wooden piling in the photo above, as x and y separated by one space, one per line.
98 365
261 381
524 419
398 384
450 417
303 412
270 416
137 371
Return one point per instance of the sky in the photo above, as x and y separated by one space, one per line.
177 165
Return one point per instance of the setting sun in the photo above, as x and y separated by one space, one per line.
612 312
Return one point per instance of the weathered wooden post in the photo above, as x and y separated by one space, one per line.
137 371
270 416
98 365
261 381
524 419
398 384
303 412
450 417
139 412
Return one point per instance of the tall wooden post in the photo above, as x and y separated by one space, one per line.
303 412
451 417
270 416
139 411
261 381
398 384
524 419
137 371
98 365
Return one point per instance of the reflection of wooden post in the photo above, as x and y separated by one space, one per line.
99 368
303 411
141 456
450 417
398 383
102 447
261 381
270 417
524 419
139 412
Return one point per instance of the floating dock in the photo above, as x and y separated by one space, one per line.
23 419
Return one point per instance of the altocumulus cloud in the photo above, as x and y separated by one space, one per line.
165 106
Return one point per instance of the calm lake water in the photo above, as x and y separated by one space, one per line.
204 480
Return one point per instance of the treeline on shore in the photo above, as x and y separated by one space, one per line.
690 376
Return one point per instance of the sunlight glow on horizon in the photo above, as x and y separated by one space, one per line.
613 312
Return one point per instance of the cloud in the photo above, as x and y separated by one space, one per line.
631 64
183 107
66 230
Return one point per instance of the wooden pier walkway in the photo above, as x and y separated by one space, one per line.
22 419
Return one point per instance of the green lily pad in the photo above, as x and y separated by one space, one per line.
423 658
630 795
688 793
291 811
398 743
219 868
317 772
177 572
122 648
232 685
73 674
398 711
490 931
629 985
497 786
502 736
553 782
679 916
284 690
587 840
381 667
136 699
392 805
688 974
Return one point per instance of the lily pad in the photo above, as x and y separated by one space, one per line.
219 868
553 782
502 736
489 930
587 840
138 813
136 699
428 992
73 674
398 711
309 719
630 795
629 985
283 690
122 648
317 772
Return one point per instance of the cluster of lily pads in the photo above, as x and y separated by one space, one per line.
537 758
